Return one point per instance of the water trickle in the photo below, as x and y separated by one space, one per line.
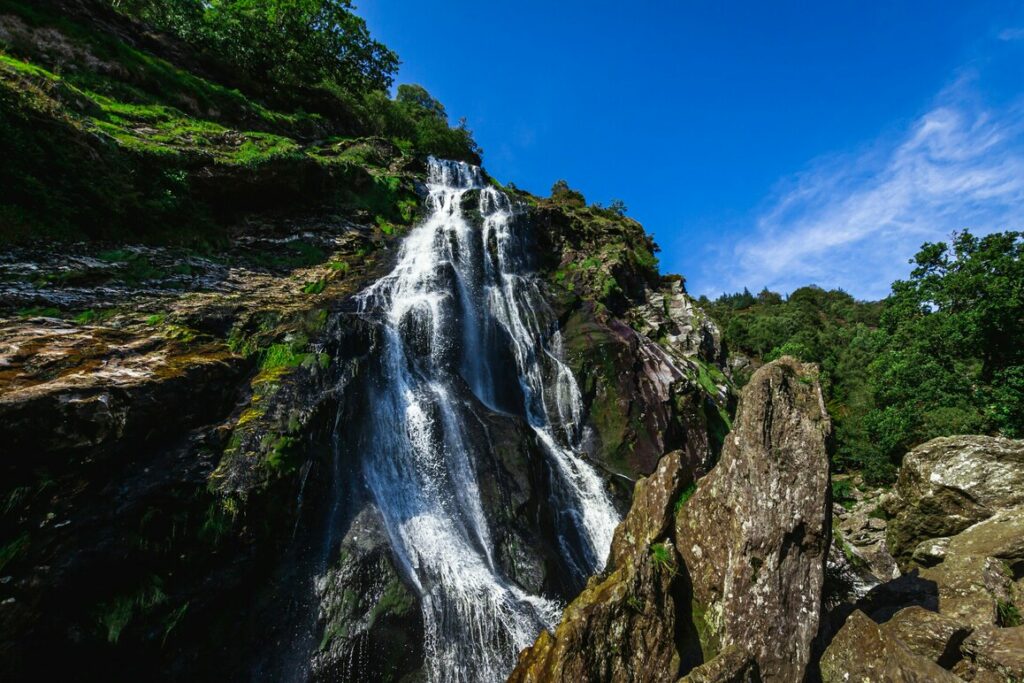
459 302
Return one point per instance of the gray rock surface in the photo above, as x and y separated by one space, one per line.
950 483
755 534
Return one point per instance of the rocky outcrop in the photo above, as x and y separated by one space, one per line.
755 534
369 617
623 626
862 651
948 484
722 582
980 565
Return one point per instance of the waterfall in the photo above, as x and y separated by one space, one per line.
459 309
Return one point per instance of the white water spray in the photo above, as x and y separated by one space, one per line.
458 299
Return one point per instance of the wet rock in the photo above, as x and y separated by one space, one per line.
640 400
950 483
370 621
928 634
732 665
755 534
862 651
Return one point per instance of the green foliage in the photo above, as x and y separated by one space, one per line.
12 550
562 193
841 491
115 615
288 355
1008 614
952 358
944 354
662 556
291 42
684 497
315 287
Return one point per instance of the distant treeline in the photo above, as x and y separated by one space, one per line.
943 354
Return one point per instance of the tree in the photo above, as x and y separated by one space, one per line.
952 358
618 206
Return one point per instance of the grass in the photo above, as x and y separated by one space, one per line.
38 312
10 552
662 556
685 496
282 356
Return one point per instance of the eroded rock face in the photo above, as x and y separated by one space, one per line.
731 665
369 618
928 634
862 651
755 534
950 483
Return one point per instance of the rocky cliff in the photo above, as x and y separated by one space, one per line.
719 577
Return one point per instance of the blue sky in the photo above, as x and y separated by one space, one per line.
774 144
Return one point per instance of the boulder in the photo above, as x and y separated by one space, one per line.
755 534
950 483
978 571
928 634
732 665
998 651
862 651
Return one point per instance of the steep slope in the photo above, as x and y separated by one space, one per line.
200 328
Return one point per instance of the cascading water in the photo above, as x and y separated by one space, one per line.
460 300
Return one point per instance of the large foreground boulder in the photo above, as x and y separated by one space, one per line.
756 532
862 651
722 583
948 484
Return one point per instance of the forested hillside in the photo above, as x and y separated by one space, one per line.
941 355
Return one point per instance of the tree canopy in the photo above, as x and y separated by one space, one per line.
944 354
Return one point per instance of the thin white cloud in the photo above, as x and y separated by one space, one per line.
854 222
1011 34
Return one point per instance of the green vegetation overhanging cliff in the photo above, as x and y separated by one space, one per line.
115 131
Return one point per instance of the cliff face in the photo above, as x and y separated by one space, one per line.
181 401
728 574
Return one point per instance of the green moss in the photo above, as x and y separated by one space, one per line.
281 356
395 600
13 550
315 287
38 312
685 496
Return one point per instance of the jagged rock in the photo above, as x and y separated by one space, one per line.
640 400
650 516
976 574
950 483
732 665
928 634
622 627
861 534
671 315
998 651
862 651
755 534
